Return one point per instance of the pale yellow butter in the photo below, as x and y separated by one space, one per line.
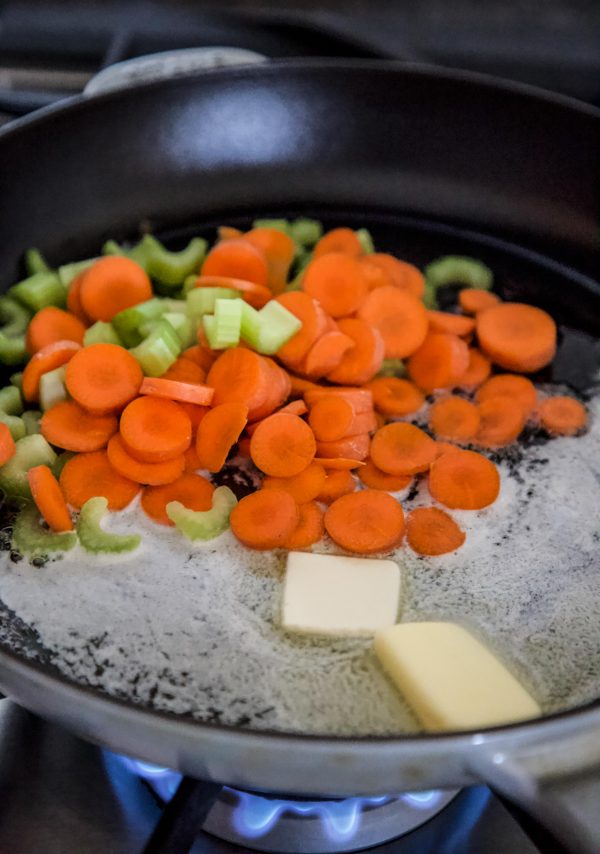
449 679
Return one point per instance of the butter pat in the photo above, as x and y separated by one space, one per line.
335 595
449 679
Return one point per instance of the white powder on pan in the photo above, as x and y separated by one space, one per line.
193 629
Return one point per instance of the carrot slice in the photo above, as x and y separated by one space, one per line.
89 475
341 241
204 357
282 445
240 374
464 480
201 395
254 294
47 359
309 529
517 337
326 354
195 413
445 448
366 522
52 324
338 463
520 389
375 274
562 416
74 300
295 407
298 385
68 426
279 250
455 324
7 444
337 281
227 232
361 363
152 474
185 371
400 317
154 430
352 447
302 487
477 372
403 275
502 419
49 499
332 418
314 322
431 531
103 378
265 519
244 447
394 396
454 418
401 448
474 300
237 259
192 490
218 432
439 362
338 482
374 478
361 399
111 285
278 391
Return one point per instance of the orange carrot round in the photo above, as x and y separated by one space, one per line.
326 354
182 392
265 519
478 370
155 430
70 427
237 259
279 250
454 418
282 445
7 444
151 474
439 362
400 318
314 322
431 531
375 274
403 275
111 285
227 232
395 396
360 363
330 418
337 281
464 480
374 478
185 371
103 378
401 448
204 357
360 398
562 416
517 337
474 300
218 432
52 324
192 490
240 374
89 475
74 300
303 487
352 447
195 414
338 482
365 522
341 241
252 293
49 499
520 389
502 419
445 448
338 463
47 359
309 529
455 324
278 391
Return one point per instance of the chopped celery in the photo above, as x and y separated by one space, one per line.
30 538
189 283
52 387
250 325
202 301
159 350
17 379
111 247
35 262
172 304
171 268
94 539
13 317
277 325
100 333
392 368
15 424
31 419
430 296
365 240
60 463
10 400
306 232
204 524
459 270
30 451
182 326
223 327
39 291
12 350
127 322
278 224
67 272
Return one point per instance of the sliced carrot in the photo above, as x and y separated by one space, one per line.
298 385
445 448
191 458
70 427
517 337
338 463
455 324
195 413
237 259
365 522
227 232
218 432
520 389
337 281
283 445
375 274
562 416
295 407
352 447
52 324
244 447
47 359
474 300
326 354
154 430
477 372
431 531
439 362
254 294
361 363
374 478
278 391
201 395
502 419
90 475
464 480
454 418
314 322
395 396
401 448
400 317
338 482
49 499
111 285
103 377
302 487
380 419
279 250
153 474
265 519
332 418
74 300
403 275
192 490
309 530
7 444
185 371
204 357
341 241
240 374
360 398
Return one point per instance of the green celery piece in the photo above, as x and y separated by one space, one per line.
13 317
159 350
171 268
30 538
12 350
52 387
17 379
174 305
39 291
111 247
277 326
94 539
250 325
31 419
67 272
430 296
30 451
101 333
182 326
204 524
11 401
15 424
202 301
127 322
35 262
60 463
392 368
223 327
189 283
365 240
305 232
459 270
278 224
208 324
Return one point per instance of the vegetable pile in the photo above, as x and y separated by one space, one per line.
309 354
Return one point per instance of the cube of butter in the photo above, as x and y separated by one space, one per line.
335 595
450 680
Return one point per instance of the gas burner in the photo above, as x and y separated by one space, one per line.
274 823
